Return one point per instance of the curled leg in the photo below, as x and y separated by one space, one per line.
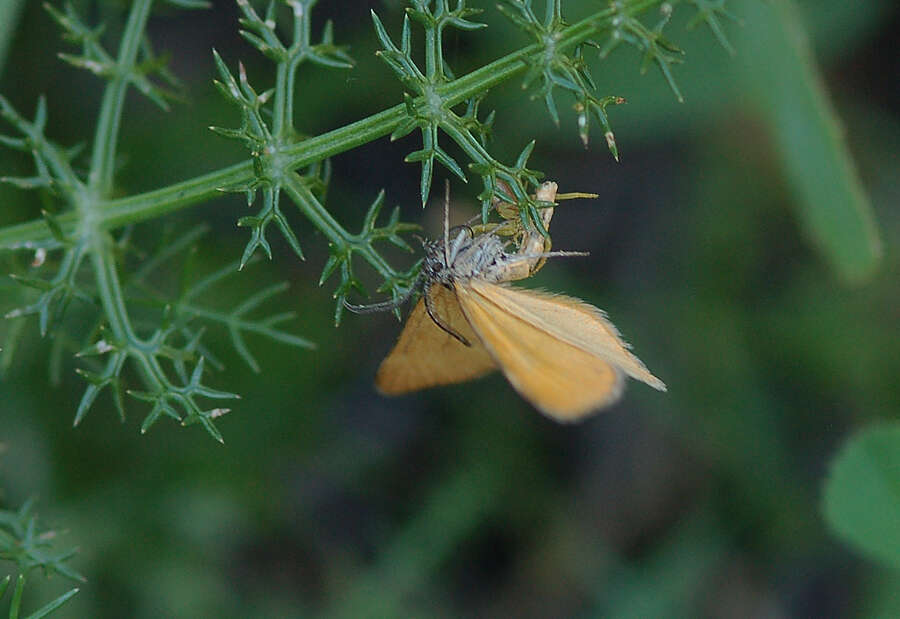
429 307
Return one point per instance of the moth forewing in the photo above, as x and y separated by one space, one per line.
559 353
426 355
570 320
559 379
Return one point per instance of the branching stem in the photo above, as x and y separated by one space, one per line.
106 137
133 209
319 216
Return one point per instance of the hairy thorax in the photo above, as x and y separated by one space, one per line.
482 257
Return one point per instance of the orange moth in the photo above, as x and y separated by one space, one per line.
560 353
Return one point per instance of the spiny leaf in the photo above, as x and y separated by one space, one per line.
190 4
237 320
24 542
51 607
709 11
269 213
109 377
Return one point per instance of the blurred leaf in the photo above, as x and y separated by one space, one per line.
453 509
882 599
837 25
10 11
49 608
832 204
16 601
666 584
862 494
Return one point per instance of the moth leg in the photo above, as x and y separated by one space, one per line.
385 306
429 307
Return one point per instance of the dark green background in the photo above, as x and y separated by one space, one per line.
328 499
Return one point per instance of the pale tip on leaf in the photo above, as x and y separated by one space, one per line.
611 143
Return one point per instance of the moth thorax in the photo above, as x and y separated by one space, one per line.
477 257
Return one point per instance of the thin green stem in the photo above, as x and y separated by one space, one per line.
133 209
315 211
280 118
141 207
298 49
468 142
228 320
432 53
319 216
112 298
107 135
110 289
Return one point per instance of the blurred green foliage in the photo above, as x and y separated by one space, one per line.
721 245
862 497
26 545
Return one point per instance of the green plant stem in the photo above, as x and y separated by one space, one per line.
286 75
109 290
95 227
106 137
10 12
114 213
141 207
319 216
143 351
100 178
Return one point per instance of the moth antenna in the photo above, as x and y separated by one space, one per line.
560 254
573 195
446 222
429 307
551 254
474 218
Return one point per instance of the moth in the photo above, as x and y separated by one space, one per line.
560 353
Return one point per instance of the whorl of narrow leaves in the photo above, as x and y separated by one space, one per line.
15 604
77 257
97 60
23 542
267 140
340 261
260 32
430 112
709 12
658 49
26 545
51 161
170 359
561 69
236 320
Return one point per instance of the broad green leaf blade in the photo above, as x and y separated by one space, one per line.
862 494
832 205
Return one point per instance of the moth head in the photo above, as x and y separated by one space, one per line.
434 264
